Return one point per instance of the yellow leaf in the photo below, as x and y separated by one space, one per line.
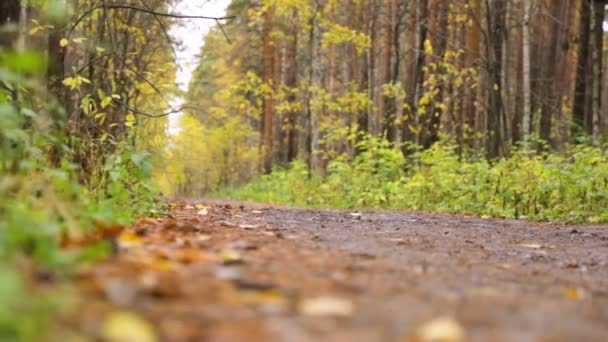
124 326
63 42
106 101
441 329
127 239
573 294
326 306
230 257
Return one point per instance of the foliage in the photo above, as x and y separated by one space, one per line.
57 185
572 186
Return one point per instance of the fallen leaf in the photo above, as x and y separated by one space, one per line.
530 245
442 329
124 326
326 306
228 273
128 239
147 221
247 226
573 293
201 206
260 297
192 255
203 237
504 266
230 257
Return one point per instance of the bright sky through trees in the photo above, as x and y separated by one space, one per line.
190 33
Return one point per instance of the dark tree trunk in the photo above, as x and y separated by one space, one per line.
496 27
581 90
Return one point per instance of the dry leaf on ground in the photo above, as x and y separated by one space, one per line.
326 306
124 326
442 329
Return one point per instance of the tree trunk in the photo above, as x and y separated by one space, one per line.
581 92
315 82
9 15
496 26
597 52
388 102
291 81
417 81
268 55
527 93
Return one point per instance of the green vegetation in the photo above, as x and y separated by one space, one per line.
572 186
49 200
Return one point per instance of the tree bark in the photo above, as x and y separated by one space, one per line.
268 56
496 26
581 91
527 92
597 51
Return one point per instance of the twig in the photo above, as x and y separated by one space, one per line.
144 10
224 32
139 112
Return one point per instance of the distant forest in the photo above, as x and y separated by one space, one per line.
309 78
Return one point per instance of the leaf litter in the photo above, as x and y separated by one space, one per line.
194 278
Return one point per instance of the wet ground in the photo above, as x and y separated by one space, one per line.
230 271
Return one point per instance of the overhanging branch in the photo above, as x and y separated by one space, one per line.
144 10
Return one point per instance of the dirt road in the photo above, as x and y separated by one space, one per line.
227 271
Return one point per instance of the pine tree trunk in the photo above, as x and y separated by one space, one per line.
268 62
496 27
597 52
527 92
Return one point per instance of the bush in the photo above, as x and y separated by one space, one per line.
571 186
44 201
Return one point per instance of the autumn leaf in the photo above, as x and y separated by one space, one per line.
326 306
573 293
124 326
530 245
128 239
442 329
231 257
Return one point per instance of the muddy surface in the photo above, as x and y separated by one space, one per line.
229 271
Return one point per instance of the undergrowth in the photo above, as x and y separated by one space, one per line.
569 186
45 202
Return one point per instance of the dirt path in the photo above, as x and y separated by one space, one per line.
226 271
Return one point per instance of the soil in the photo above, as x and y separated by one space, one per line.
231 271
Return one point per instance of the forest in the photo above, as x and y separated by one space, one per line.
496 109
487 107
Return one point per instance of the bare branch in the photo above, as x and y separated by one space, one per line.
149 115
144 10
